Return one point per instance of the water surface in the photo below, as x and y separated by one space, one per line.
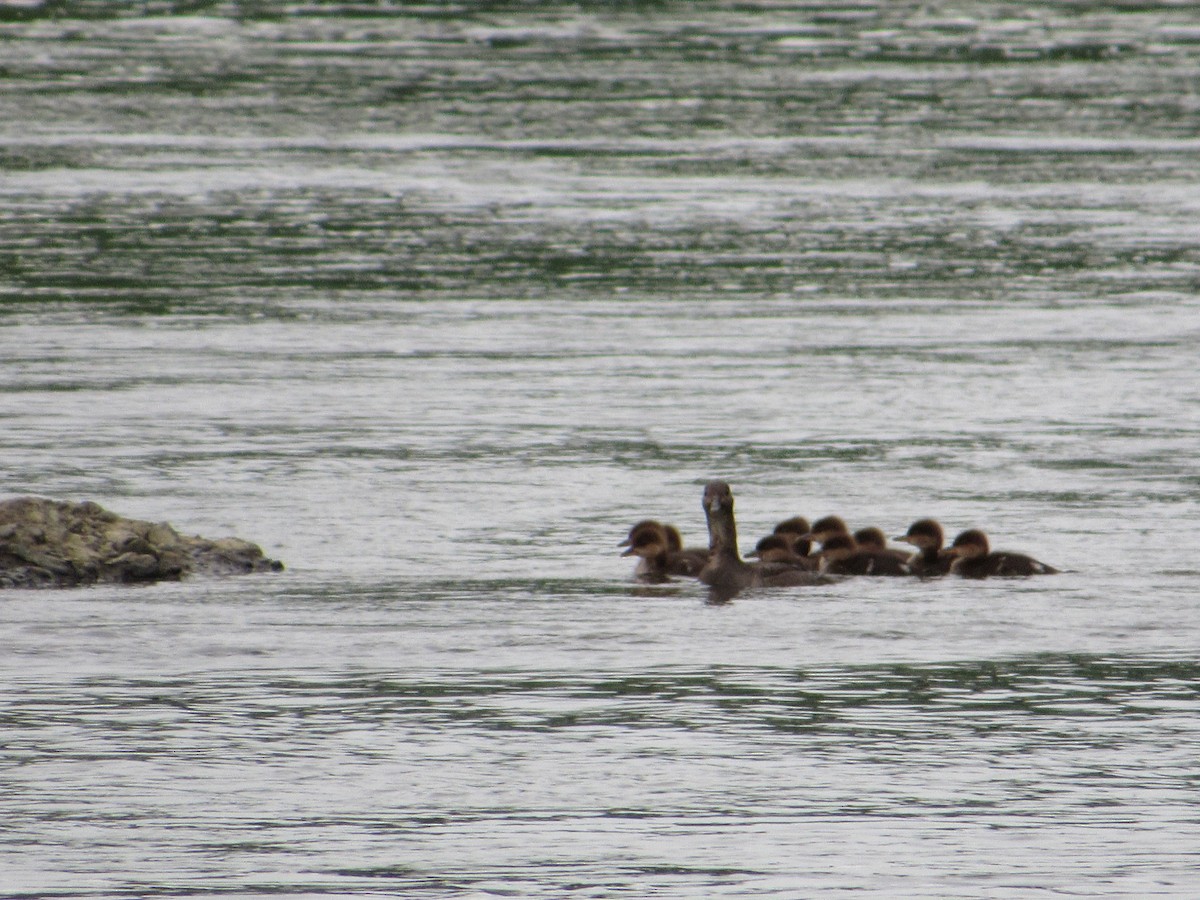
434 302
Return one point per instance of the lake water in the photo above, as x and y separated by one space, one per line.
433 302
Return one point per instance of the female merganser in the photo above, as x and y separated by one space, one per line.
727 573
661 552
841 555
973 559
929 560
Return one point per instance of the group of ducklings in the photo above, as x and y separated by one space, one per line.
797 552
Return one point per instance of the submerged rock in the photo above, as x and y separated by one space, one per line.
52 543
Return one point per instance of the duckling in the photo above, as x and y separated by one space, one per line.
727 573
661 552
930 560
825 528
648 541
685 560
841 555
973 558
873 539
776 548
795 530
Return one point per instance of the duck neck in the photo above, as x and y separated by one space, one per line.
722 533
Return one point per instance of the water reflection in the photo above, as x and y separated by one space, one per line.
923 703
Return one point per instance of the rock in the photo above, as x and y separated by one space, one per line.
233 556
131 567
52 543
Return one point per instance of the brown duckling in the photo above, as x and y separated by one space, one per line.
973 558
795 530
686 560
826 527
727 573
841 555
873 539
930 559
661 552
777 548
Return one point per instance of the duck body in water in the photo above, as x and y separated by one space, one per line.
778 548
874 540
726 572
795 531
684 560
973 558
841 555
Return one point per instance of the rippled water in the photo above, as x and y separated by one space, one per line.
434 302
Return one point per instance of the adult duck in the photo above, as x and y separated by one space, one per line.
726 572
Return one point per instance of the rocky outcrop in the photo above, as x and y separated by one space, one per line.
51 543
